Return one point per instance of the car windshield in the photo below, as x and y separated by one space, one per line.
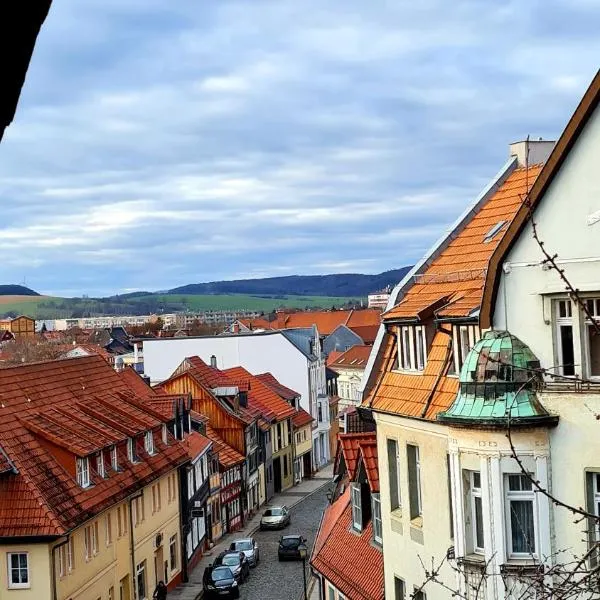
221 573
245 545
274 512
289 542
230 560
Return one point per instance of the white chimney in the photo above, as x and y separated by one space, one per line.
539 151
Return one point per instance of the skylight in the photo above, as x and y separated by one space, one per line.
489 236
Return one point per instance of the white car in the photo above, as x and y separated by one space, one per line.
276 517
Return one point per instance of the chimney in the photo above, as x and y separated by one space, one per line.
213 361
539 151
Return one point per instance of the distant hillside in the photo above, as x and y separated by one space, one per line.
17 290
344 285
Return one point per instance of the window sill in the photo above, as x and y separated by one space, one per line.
521 565
473 559
409 371
417 522
396 514
19 586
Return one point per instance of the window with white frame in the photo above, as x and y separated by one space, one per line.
356 507
476 512
62 560
464 338
592 337
70 555
165 434
100 464
140 576
521 516
399 588
18 570
563 311
593 507
149 442
83 472
173 553
331 592
414 481
114 459
393 475
190 482
412 348
377 526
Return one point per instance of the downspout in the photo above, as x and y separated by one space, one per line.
443 370
131 542
53 564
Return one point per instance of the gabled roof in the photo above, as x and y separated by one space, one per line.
347 559
452 285
196 444
302 418
367 333
350 444
281 390
228 457
260 395
354 358
80 405
586 107
135 382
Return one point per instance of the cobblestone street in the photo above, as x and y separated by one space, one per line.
274 580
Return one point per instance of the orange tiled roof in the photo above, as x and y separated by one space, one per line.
332 356
137 384
256 323
367 333
302 418
457 275
347 559
228 457
281 390
368 453
350 444
79 405
354 358
195 444
408 394
326 320
260 395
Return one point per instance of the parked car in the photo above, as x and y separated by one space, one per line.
237 562
249 547
289 547
276 517
219 582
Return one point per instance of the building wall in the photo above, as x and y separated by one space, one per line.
349 387
302 439
572 198
405 541
92 578
40 572
284 452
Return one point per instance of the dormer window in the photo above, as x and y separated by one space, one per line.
165 431
83 472
149 442
357 522
412 348
114 460
100 464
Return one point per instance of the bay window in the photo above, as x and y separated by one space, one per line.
521 516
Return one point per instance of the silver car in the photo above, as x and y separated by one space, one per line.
276 517
249 547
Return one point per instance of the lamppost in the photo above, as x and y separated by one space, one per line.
302 549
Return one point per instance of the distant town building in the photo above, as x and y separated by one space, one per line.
20 327
380 299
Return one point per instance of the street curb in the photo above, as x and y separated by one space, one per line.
302 499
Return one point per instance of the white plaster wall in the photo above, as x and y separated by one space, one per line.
401 553
561 218
257 353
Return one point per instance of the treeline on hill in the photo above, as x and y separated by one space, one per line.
345 284
17 290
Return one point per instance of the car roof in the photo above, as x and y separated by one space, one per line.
291 537
249 539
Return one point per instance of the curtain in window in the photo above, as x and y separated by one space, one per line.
521 525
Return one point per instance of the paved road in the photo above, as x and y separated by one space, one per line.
274 580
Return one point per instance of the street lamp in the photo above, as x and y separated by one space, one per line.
302 549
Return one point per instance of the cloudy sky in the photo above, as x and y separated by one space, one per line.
161 142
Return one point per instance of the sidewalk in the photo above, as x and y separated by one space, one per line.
290 497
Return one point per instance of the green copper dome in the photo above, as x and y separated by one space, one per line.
500 375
